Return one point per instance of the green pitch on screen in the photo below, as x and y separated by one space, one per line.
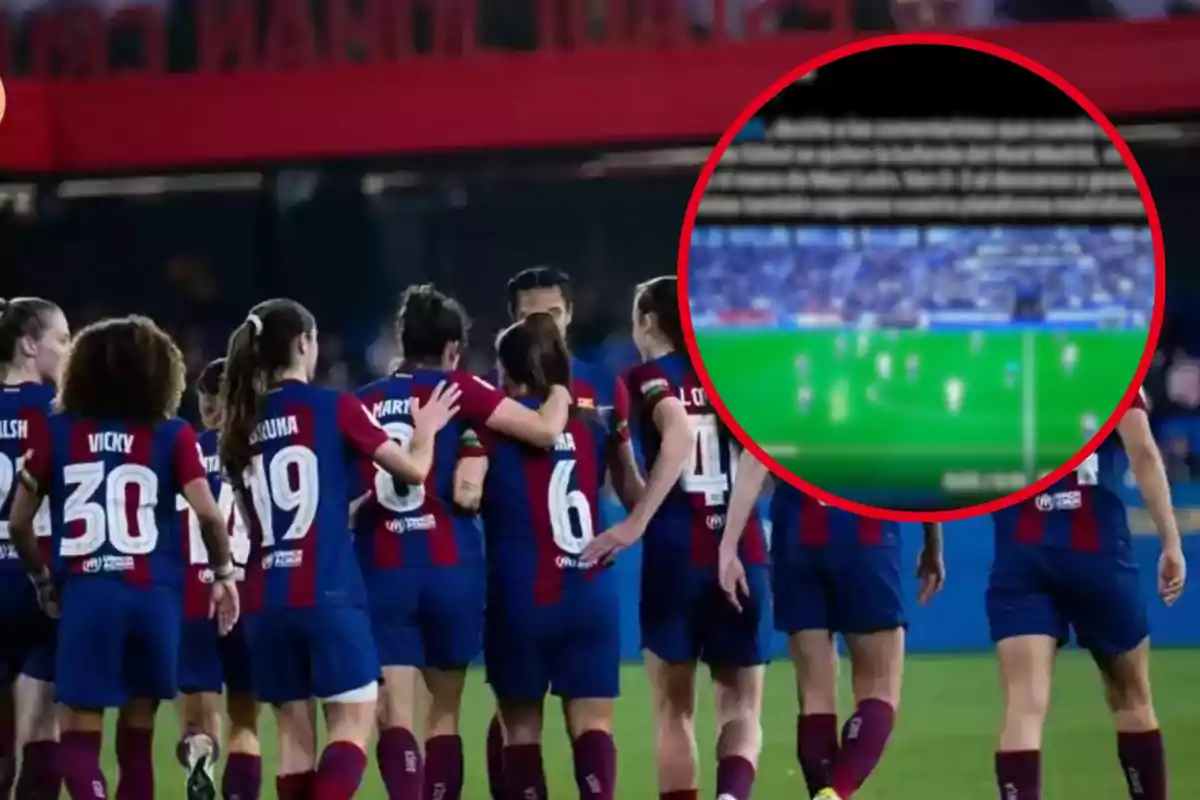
952 412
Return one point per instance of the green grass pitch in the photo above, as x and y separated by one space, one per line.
942 747
947 412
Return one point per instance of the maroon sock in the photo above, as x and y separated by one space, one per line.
680 794
399 763
135 763
495 759
443 768
39 778
596 765
1019 774
79 761
8 759
340 772
243 777
297 786
864 736
1144 763
735 778
524 777
817 749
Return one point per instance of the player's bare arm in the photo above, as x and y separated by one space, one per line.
747 486
670 418
931 567
626 477
20 526
541 427
412 463
468 482
1145 462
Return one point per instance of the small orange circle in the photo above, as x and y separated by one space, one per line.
3 101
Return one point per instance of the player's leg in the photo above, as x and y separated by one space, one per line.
452 628
89 678
135 749
199 707
735 645
199 741
867 607
397 634
151 676
524 772
673 685
243 766
1109 614
1027 625
586 674
37 728
345 670
495 756
801 611
277 644
815 660
397 750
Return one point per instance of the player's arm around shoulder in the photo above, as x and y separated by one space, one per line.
470 472
1145 462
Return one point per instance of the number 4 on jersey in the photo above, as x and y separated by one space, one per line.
704 473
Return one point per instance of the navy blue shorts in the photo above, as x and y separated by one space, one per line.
209 662
571 649
842 588
428 616
26 633
1053 592
116 643
302 653
685 617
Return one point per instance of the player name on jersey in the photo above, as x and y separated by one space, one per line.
392 408
275 428
110 442
14 429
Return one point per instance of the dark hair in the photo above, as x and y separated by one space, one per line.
258 348
660 296
126 369
532 353
20 317
209 382
537 278
427 321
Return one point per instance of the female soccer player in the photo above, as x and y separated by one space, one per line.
207 661
832 572
421 552
33 341
684 616
111 463
290 449
1064 561
552 619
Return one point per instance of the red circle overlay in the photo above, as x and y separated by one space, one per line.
988 48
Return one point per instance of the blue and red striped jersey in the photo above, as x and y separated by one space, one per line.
692 517
541 508
800 521
111 487
1083 511
22 407
198 577
306 449
418 525
593 388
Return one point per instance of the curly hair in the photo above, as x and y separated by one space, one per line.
126 369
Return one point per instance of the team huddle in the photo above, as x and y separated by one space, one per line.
312 549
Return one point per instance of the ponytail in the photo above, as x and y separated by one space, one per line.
533 354
259 347
660 296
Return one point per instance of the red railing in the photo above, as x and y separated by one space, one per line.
655 76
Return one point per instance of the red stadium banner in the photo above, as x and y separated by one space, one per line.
292 93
